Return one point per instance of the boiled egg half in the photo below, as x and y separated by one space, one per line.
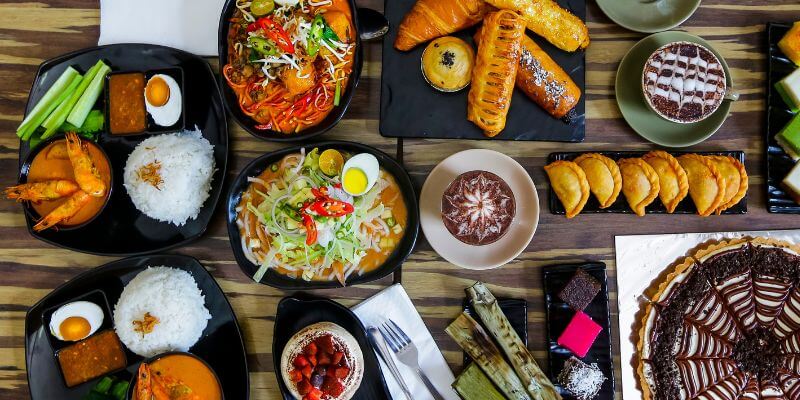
76 321
359 174
163 99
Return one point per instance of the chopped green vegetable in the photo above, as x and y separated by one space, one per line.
273 167
89 97
264 46
104 385
44 103
391 222
93 124
338 93
35 122
120 390
262 7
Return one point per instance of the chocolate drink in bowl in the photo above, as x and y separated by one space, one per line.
684 82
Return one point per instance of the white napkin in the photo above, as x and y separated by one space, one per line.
189 25
393 303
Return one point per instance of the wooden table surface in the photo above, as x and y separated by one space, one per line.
31 32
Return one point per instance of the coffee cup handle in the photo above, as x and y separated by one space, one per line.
731 95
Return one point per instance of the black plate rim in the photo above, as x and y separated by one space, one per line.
404 181
121 262
223 127
560 268
271 135
311 300
554 203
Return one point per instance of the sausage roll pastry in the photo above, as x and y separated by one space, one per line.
706 184
639 183
569 182
548 20
543 80
430 19
736 181
603 175
673 183
495 70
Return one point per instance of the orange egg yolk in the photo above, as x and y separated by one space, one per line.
74 328
157 91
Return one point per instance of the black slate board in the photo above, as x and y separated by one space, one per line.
412 108
778 115
621 205
559 314
516 310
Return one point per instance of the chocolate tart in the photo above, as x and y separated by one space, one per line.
478 208
725 324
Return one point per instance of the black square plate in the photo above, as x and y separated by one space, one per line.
220 345
120 229
559 314
778 115
412 108
621 205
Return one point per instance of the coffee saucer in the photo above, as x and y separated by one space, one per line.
649 15
641 117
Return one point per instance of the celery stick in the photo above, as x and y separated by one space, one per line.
54 90
57 118
89 97
35 122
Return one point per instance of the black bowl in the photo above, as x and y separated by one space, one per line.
232 103
280 281
296 313
132 386
31 214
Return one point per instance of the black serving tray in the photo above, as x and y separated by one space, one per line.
516 310
621 205
778 115
411 108
296 313
559 314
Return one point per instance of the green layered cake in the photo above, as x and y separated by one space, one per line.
789 138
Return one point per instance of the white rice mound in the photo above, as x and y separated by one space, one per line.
187 165
172 296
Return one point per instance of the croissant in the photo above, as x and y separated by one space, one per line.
548 20
543 80
430 19
495 70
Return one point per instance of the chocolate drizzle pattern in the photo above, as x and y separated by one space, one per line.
729 329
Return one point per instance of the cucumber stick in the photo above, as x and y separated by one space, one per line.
57 118
35 122
88 98
58 86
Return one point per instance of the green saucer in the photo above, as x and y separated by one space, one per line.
644 120
648 15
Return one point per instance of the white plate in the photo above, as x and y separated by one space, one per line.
520 232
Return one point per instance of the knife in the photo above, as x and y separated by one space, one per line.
379 344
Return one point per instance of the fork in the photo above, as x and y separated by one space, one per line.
406 352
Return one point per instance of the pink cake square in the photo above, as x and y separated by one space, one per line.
580 334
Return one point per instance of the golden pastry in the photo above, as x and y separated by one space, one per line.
429 19
447 64
639 183
736 181
569 182
673 183
706 184
603 175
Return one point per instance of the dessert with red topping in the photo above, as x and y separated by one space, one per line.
322 362
478 208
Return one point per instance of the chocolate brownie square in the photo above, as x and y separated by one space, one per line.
580 290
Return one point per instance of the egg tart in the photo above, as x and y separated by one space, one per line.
447 64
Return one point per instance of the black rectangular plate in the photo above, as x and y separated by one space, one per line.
778 115
621 205
412 108
559 314
516 310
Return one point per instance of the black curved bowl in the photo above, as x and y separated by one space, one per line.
120 229
30 213
296 313
248 124
280 281
132 382
221 345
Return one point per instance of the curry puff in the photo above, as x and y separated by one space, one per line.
736 181
673 183
605 181
570 184
706 184
639 183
